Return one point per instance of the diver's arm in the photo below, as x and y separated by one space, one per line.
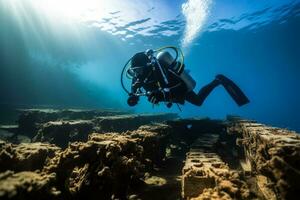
176 92
133 98
136 84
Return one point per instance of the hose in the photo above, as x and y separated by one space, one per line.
122 74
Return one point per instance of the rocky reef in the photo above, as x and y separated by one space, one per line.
25 156
273 154
74 154
30 119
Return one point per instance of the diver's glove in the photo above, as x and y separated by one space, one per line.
155 96
132 100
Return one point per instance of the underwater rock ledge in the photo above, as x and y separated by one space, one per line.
126 156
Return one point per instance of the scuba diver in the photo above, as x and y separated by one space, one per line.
163 78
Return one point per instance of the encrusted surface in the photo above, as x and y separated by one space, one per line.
27 185
63 132
106 165
30 119
121 123
25 156
84 156
206 174
274 154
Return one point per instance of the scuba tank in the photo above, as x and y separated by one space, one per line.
188 80
166 59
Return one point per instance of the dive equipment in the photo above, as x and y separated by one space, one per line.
155 61
166 58
188 80
177 64
233 90
129 72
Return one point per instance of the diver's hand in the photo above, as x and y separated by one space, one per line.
132 100
154 96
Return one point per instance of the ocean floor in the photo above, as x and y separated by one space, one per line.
107 154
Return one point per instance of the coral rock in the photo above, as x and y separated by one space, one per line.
106 165
27 185
63 132
25 156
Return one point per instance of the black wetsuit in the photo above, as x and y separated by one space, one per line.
150 78
154 81
178 91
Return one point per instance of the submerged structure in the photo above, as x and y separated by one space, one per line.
76 154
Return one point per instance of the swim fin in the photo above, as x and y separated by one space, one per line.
233 90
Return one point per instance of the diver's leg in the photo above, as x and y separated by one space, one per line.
198 99
233 90
193 98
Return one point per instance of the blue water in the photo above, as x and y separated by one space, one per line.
49 59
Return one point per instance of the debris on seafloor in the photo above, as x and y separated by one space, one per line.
115 155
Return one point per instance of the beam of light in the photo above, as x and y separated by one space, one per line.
196 13
59 11
112 16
